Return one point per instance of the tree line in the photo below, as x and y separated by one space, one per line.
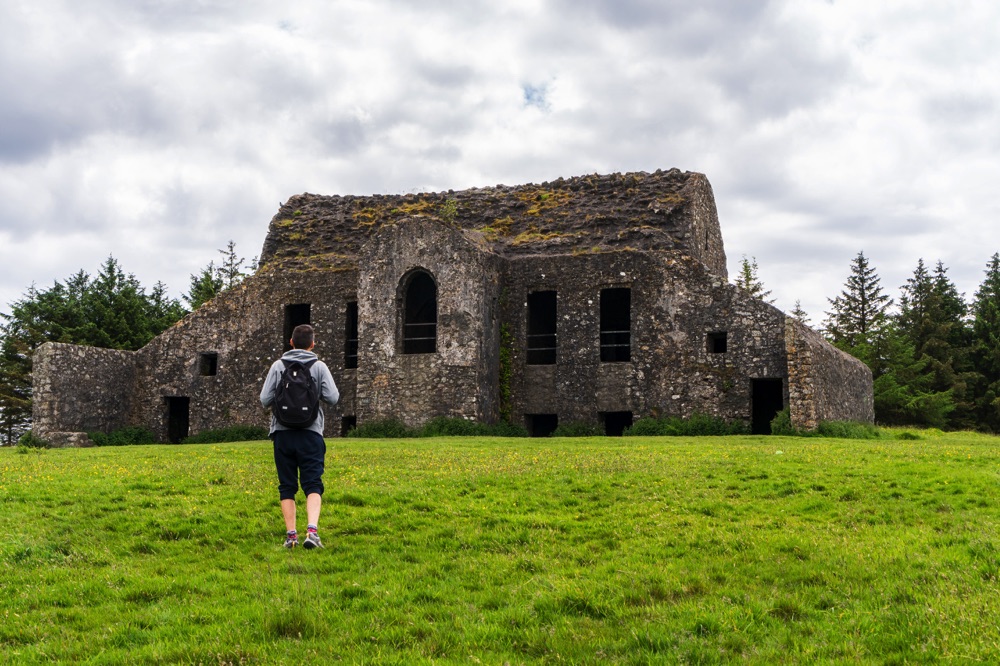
111 310
934 357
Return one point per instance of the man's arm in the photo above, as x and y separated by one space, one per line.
270 383
328 391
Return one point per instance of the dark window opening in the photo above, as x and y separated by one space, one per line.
541 328
351 336
208 364
296 314
616 325
615 423
718 342
541 425
420 315
347 424
766 400
178 418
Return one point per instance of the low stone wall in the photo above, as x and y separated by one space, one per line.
824 383
78 389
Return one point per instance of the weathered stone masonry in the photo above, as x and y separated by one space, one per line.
633 317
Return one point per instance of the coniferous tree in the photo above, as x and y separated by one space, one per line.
932 317
231 269
860 324
213 280
204 286
861 311
748 281
799 313
15 389
986 346
112 310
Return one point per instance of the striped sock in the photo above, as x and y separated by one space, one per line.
312 530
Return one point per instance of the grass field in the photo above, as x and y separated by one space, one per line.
755 550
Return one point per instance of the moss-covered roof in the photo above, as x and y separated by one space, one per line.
595 213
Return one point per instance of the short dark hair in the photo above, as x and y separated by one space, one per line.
302 336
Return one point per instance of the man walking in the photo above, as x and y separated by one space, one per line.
299 449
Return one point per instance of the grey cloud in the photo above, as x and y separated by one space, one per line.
344 136
700 19
443 74
960 107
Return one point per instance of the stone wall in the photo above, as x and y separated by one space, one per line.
460 379
824 383
676 304
244 328
80 389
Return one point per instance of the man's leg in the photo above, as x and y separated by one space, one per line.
311 467
313 503
288 512
285 460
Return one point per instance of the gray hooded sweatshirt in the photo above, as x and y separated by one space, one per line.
328 392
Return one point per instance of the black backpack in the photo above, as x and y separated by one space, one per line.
296 398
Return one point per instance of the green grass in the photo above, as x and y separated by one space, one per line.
750 550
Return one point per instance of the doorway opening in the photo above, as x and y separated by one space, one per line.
541 425
178 418
766 400
615 423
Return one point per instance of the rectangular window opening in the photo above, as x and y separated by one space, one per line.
208 364
615 423
541 425
718 342
541 336
347 424
616 325
351 336
296 314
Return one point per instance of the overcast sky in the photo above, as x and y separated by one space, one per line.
158 130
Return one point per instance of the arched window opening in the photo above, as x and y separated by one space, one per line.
420 315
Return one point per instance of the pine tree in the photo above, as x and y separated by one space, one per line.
800 314
932 317
986 345
748 281
861 310
213 280
860 324
204 286
231 270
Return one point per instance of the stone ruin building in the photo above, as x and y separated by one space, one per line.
600 299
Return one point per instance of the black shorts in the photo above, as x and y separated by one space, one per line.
299 457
